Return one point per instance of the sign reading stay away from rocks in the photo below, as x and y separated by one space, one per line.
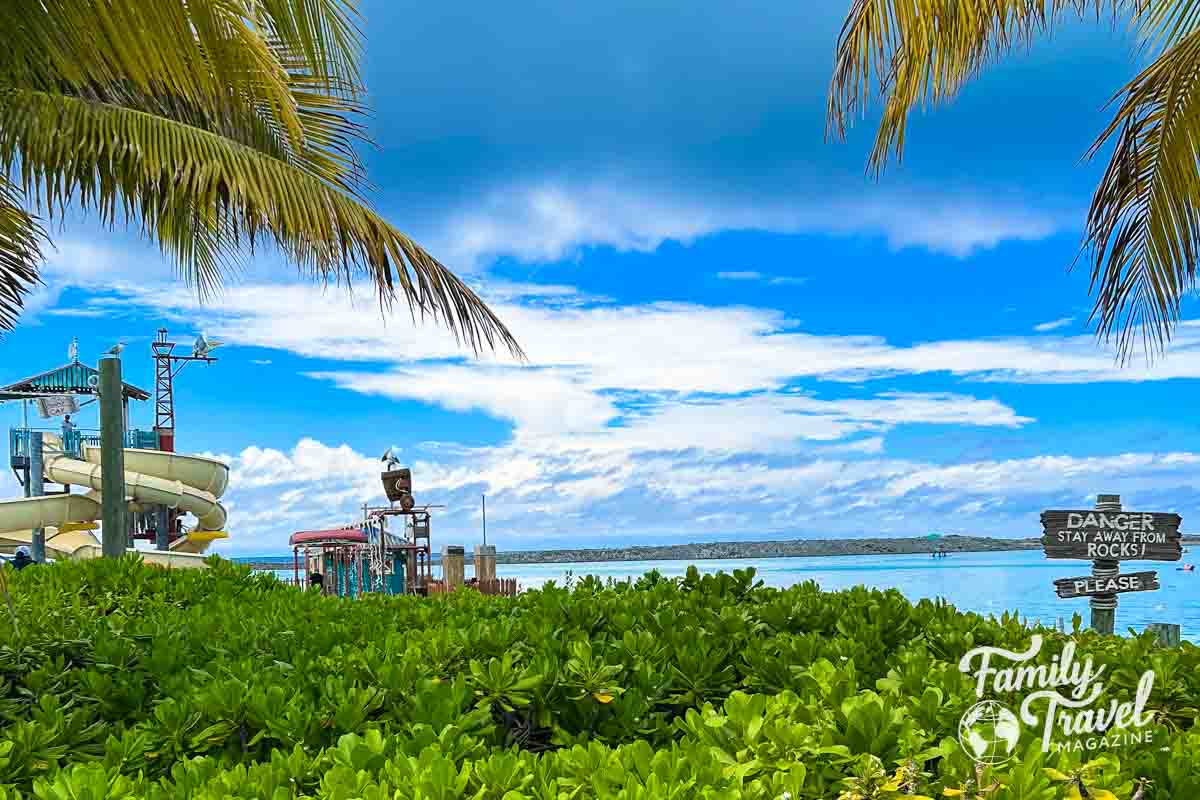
1111 535
1107 535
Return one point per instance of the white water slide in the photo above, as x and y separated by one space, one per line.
191 484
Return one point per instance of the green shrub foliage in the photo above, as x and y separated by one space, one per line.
121 680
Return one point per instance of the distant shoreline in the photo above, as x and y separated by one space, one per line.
784 548
787 548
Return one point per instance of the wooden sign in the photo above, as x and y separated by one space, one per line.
397 484
57 405
1090 585
1111 535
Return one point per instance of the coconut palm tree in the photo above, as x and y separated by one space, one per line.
213 126
1142 231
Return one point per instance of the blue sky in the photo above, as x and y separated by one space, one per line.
733 333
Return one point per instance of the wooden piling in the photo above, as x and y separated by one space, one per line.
485 562
112 459
453 568
1104 606
1168 634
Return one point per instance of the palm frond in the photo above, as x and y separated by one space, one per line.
330 132
322 35
209 53
921 52
128 164
1165 22
1143 228
21 240
290 62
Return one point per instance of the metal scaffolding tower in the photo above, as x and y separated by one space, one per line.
165 370
164 391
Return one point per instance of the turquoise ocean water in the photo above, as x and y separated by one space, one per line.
988 583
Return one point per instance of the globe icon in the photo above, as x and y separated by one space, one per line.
989 732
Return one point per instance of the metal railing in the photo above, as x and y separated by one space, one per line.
75 439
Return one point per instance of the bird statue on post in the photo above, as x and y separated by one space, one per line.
115 350
203 346
397 483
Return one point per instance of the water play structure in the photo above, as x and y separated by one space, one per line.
389 550
170 499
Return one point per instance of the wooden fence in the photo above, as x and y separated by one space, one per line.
506 587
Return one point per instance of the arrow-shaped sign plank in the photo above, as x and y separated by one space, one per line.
1117 584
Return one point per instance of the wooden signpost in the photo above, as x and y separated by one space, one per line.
1106 535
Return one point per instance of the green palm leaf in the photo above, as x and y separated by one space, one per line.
215 125
922 52
21 239
1143 228
177 179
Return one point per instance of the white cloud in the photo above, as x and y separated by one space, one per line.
535 494
1132 471
773 280
676 345
557 411
85 264
548 221
773 422
1053 325
310 461
547 401
622 408
611 379
639 407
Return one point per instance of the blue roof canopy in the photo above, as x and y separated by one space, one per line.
68 379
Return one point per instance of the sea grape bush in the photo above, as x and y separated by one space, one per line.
121 680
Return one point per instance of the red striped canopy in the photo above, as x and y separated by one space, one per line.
335 535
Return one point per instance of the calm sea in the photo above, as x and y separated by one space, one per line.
988 583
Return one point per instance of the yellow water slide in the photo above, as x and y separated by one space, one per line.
66 518
190 484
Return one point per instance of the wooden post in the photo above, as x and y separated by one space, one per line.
1104 606
452 566
1168 635
485 562
112 459
37 489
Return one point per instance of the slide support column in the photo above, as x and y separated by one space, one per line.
37 489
